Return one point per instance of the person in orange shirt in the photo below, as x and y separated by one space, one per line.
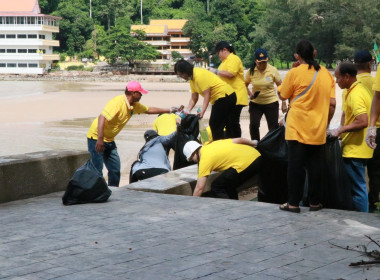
311 89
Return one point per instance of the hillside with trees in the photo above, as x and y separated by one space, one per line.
337 28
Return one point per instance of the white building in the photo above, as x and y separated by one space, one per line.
26 38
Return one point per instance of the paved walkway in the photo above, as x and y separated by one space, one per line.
140 235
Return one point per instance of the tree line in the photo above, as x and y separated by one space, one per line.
337 28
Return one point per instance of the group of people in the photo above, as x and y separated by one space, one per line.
309 89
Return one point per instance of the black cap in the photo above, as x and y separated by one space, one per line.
150 134
362 56
220 46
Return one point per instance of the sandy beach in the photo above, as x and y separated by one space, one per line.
57 114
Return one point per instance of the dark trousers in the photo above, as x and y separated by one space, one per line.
256 112
233 125
220 114
373 168
147 173
301 157
226 184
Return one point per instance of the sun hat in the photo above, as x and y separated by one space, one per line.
261 55
189 148
135 86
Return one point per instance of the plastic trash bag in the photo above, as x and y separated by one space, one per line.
86 186
273 146
186 131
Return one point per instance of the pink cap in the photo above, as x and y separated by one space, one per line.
135 86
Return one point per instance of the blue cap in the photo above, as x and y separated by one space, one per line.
261 55
362 56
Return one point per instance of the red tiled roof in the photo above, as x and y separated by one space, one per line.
19 6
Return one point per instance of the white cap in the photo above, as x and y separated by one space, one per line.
189 148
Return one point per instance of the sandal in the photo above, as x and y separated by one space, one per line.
285 207
317 207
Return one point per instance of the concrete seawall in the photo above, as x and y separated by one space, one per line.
33 174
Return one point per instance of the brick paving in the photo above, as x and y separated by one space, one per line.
137 235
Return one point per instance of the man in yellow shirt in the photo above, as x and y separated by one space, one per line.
235 158
356 107
373 141
100 136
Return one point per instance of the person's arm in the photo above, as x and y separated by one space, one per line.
342 119
375 109
102 121
244 141
360 122
331 109
206 101
193 101
226 74
201 183
156 110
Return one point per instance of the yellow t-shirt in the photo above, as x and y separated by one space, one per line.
233 65
356 101
165 124
368 81
203 79
223 154
308 116
264 82
376 85
117 112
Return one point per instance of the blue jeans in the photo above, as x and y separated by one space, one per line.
355 168
109 157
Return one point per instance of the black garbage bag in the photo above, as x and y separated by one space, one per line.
186 131
86 186
337 189
273 186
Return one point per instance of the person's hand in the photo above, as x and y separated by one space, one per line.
334 132
99 147
200 115
213 70
370 138
173 109
281 122
284 107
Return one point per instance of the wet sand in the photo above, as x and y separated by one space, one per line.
59 114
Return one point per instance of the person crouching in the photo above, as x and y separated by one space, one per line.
236 158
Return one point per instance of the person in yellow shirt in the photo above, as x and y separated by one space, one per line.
100 136
363 62
232 72
311 89
264 99
166 124
214 90
356 106
235 158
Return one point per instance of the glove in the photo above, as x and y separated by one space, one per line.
173 109
370 138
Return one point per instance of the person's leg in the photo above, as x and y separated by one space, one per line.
356 174
219 115
373 168
315 160
96 158
255 115
296 171
112 162
148 173
271 114
224 186
233 125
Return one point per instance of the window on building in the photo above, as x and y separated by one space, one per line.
41 36
175 35
21 36
3 65
1 20
22 65
11 36
31 20
22 51
32 36
11 50
2 36
175 47
32 51
33 65
11 65
20 20
10 20
39 20
2 50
